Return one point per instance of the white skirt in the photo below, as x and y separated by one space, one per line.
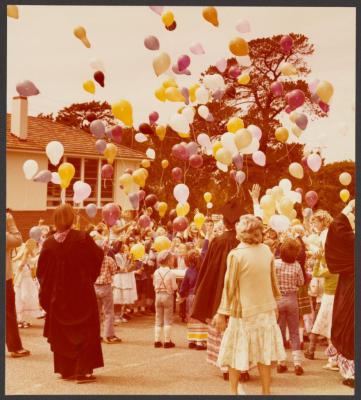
251 340
323 323
124 288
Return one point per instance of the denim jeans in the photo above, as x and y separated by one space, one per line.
104 295
163 309
289 317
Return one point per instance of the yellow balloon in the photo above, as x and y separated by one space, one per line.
160 131
296 221
165 164
168 18
192 92
242 138
144 172
110 152
173 94
162 208
169 83
207 197
235 124
160 94
296 130
12 11
126 180
216 146
238 47
277 192
324 91
123 111
210 14
244 79
288 69
199 219
183 135
138 178
296 170
137 251
89 86
145 163
344 195
224 156
281 134
267 204
182 209
345 178
66 173
161 243
161 63
286 205
294 115
80 33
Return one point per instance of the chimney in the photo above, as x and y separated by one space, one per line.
19 117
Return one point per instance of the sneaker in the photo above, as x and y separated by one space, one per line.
112 340
20 353
331 367
158 344
298 370
281 368
309 354
226 376
192 345
85 379
168 345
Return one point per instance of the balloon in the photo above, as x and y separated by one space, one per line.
279 223
221 166
165 164
107 171
180 152
189 113
196 48
97 128
221 65
97 65
244 79
209 205
123 111
243 26
203 111
185 94
183 62
295 98
301 121
151 43
199 219
35 233
43 176
181 193
314 162
192 92
91 210
146 129
255 131
216 146
160 131
313 85
195 161
287 69
157 9
90 116
242 138
286 205
238 160
224 156
160 94
27 88
137 251
324 91
311 198
294 196
12 11
30 168
55 178
235 124
179 123
234 71
285 185
281 134
286 44
202 95
251 148
182 209
116 133
171 27
100 146
214 82
110 152
192 148
180 224
259 158
141 195
153 117
54 151
344 195
277 89
110 214
207 197
228 143
82 192
240 177
150 153
296 170
296 130
145 163
161 243
144 221
176 70
168 18
177 174
80 33
161 63
162 208
140 138
150 200
267 204
174 94
99 77
345 178
210 15
324 106
238 47
66 173
204 140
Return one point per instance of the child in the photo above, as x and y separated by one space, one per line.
164 281
290 278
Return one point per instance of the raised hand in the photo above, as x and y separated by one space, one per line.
255 192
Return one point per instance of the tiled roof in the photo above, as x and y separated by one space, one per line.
75 141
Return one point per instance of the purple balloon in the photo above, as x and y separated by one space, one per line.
111 213
192 148
177 174
183 62
117 134
27 88
97 128
151 43
185 94
295 98
180 152
238 160
134 200
107 171
180 224
43 176
277 89
286 43
196 161
100 145
91 210
302 121
153 117
311 198
234 72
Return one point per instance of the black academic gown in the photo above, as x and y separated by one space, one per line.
339 253
209 287
67 272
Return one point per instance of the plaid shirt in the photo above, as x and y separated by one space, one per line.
289 276
109 268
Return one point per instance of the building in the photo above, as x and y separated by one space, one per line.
27 138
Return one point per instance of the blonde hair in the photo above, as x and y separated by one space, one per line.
323 216
63 217
249 229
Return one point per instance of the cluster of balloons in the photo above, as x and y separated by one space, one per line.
131 178
170 91
169 21
321 93
345 179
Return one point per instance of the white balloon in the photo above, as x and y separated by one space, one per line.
222 167
30 168
140 138
243 26
97 65
295 197
179 123
203 111
181 193
250 149
227 141
55 151
77 185
209 205
259 158
202 95
189 112
55 178
204 140
81 192
214 82
150 153
255 130
244 60
279 223
285 184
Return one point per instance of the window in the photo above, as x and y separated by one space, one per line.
107 188
77 177
91 166
53 194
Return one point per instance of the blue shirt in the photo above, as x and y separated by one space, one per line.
189 282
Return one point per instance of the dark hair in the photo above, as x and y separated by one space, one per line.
290 249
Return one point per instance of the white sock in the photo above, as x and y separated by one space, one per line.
240 389
300 330
167 331
158 332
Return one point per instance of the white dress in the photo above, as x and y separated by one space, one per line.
124 284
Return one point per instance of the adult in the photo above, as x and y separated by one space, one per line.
340 259
68 266
13 341
253 336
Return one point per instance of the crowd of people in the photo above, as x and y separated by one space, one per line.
245 291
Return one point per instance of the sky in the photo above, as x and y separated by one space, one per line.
43 49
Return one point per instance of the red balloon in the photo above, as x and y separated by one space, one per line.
295 98
99 77
146 129
111 213
324 106
153 117
195 161
286 43
144 221
150 200
172 214
180 151
183 62
117 134
171 27
311 198
180 224
90 116
288 109
107 171
277 89
177 174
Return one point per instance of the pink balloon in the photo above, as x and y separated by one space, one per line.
259 158
157 9
151 43
192 148
107 171
117 132
81 191
134 200
314 162
299 190
185 94
27 88
277 89
141 195
180 152
234 72
176 70
100 145
110 213
233 174
240 177
195 161
313 85
177 174
288 109
144 221
183 62
286 43
243 26
311 198
153 117
315 98
180 224
295 98
324 106
302 121
221 65
238 160
197 48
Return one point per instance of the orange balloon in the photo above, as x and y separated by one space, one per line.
238 47
210 14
